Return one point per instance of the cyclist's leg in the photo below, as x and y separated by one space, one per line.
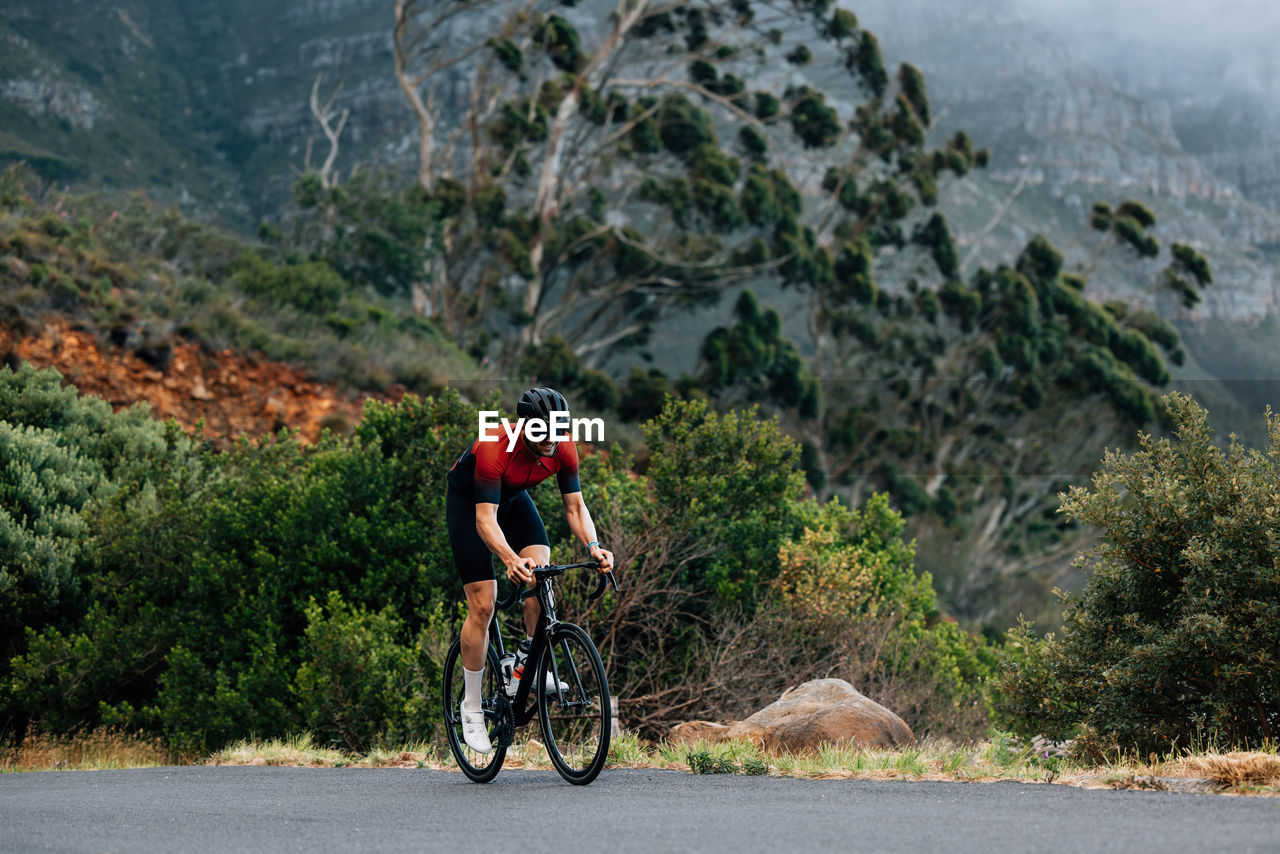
524 530
475 643
475 569
475 629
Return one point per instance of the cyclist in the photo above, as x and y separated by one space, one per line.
489 512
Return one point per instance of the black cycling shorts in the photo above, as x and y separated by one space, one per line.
518 518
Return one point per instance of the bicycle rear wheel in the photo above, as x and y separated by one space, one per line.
573 705
479 767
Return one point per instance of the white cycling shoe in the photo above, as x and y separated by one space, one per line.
473 730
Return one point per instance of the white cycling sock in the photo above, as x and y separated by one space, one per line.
471 688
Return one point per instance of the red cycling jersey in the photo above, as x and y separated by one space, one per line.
495 475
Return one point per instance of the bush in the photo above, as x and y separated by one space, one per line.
731 480
43 488
199 624
1176 636
63 460
210 596
357 684
848 603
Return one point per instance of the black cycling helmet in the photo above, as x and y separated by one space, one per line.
540 403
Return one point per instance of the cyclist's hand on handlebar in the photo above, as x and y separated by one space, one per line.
602 557
520 569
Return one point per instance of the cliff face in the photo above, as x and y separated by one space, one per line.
204 104
1064 134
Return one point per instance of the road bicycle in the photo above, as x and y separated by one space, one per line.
572 705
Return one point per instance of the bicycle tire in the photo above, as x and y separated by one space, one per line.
451 688
576 734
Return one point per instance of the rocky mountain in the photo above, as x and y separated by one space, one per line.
1064 133
206 105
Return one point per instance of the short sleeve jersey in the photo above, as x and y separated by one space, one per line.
494 475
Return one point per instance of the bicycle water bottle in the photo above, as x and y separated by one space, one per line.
518 660
508 666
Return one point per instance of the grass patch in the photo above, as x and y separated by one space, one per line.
100 749
301 750
627 751
1258 769
294 750
1001 757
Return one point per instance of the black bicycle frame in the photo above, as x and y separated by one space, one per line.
524 715
547 623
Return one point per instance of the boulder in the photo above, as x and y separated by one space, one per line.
824 711
691 731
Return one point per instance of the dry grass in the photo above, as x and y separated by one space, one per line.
301 750
999 758
92 751
294 750
1236 770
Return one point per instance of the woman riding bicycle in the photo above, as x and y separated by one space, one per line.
489 512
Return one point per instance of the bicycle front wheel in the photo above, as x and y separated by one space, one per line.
573 705
479 767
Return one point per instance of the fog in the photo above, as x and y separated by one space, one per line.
1184 46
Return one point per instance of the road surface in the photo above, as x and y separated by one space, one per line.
201 809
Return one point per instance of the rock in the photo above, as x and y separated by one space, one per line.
824 711
1045 748
691 731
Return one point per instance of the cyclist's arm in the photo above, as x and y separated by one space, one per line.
580 523
488 529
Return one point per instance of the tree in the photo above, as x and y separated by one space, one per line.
963 399
655 161
614 171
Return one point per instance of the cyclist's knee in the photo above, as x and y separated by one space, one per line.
538 552
481 610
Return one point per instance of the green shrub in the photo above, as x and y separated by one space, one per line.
198 621
731 479
64 459
357 684
1176 636
847 602
552 363
43 490
703 762
597 390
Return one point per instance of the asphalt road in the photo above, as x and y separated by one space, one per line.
302 809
